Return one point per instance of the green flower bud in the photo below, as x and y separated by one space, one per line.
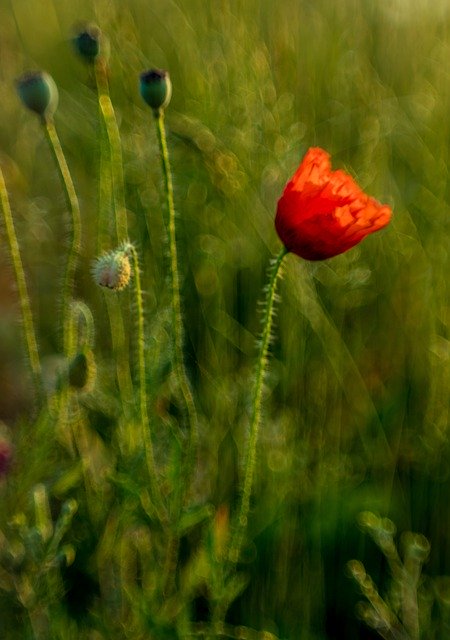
90 43
113 270
66 555
38 92
82 371
68 510
156 88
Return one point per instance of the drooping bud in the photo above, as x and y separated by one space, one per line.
156 88
113 270
90 43
82 370
38 92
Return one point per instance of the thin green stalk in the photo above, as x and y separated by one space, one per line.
115 149
120 350
145 423
261 368
177 317
104 194
111 181
81 312
75 242
178 339
25 306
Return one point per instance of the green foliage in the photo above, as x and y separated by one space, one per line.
356 401
406 611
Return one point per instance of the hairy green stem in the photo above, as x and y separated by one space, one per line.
80 311
111 183
261 368
104 193
75 241
145 423
25 306
177 317
178 356
115 149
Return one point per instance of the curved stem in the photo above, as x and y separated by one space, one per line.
261 368
25 306
80 310
177 317
75 244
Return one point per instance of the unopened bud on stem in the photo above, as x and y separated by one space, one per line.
156 88
113 270
38 92
90 43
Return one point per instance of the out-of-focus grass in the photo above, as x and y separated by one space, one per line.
357 414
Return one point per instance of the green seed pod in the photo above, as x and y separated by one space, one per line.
156 88
38 92
90 43
82 371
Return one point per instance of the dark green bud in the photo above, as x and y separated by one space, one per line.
68 510
82 371
38 92
90 43
66 555
156 88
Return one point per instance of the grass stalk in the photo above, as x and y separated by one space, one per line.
24 299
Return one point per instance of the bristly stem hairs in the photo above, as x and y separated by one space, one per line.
25 306
256 412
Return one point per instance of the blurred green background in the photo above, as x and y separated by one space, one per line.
358 402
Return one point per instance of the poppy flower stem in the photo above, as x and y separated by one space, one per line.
144 419
261 368
75 241
177 317
115 148
111 186
25 306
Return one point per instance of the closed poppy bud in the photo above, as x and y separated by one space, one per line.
113 270
82 370
156 88
323 213
38 92
90 43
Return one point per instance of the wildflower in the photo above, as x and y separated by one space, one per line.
156 88
113 270
38 92
323 213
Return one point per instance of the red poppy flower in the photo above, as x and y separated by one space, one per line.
323 213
